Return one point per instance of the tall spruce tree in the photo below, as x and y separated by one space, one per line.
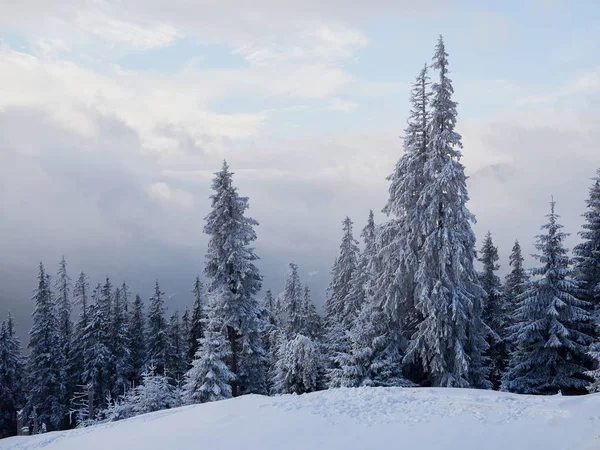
233 278
185 336
587 253
361 278
293 319
11 377
176 355
46 368
342 271
313 321
552 332
62 289
399 241
515 281
156 334
79 344
98 359
343 268
197 321
120 344
137 340
494 313
449 342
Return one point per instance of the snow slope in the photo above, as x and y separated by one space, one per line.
365 418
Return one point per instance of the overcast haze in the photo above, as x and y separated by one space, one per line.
114 116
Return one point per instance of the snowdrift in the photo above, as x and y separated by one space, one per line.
347 419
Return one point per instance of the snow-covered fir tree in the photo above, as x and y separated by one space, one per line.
494 312
209 377
98 358
137 341
400 240
120 344
79 345
374 357
157 341
293 319
516 280
361 277
553 325
46 366
62 289
449 342
176 355
298 364
154 393
313 321
594 373
342 271
587 253
197 320
233 278
185 330
11 377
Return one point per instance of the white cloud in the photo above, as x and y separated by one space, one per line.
129 34
338 104
162 191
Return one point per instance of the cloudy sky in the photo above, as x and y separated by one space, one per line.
114 115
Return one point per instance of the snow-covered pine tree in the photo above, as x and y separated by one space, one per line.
11 377
233 278
449 342
361 277
156 334
399 241
62 288
342 271
298 365
120 344
176 357
137 340
494 312
314 323
254 360
185 336
343 268
98 359
587 253
46 367
271 307
594 374
209 377
552 332
515 281
79 345
154 393
293 319
374 357
197 320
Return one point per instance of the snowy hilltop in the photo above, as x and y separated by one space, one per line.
361 418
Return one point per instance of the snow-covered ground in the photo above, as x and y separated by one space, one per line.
365 418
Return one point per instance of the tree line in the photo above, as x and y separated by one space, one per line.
408 309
